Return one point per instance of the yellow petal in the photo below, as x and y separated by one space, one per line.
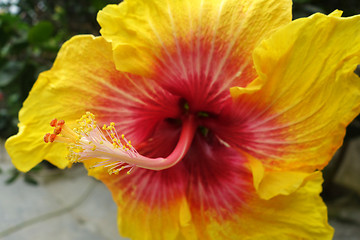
336 13
272 183
66 92
309 95
161 214
183 203
299 215
145 32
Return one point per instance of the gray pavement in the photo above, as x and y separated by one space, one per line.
65 205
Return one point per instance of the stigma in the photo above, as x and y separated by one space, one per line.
104 147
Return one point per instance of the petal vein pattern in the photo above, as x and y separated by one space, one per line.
298 119
67 92
191 47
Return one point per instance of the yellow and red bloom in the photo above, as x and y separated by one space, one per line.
230 106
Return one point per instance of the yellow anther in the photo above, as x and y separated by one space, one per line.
116 171
89 136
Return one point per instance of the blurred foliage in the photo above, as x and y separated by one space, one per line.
31 33
28 177
304 8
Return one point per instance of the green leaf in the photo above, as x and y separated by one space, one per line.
30 180
14 175
37 168
3 119
9 72
41 32
301 1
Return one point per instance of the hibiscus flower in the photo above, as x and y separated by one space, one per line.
228 108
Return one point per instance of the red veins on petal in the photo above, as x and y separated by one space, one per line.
212 177
135 104
188 79
218 181
202 72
